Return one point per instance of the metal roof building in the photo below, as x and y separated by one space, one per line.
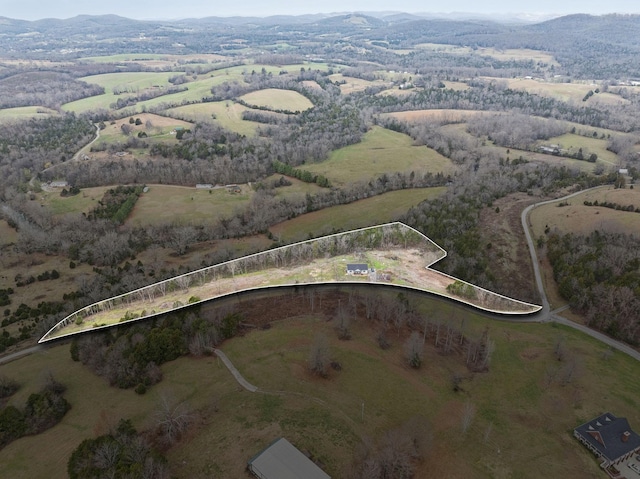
281 460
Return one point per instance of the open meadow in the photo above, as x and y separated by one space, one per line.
506 54
523 395
83 202
227 114
375 210
566 92
24 113
381 151
577 218
186 205
126 82
572 143
276 99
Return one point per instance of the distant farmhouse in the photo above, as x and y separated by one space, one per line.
357 268
610 438
282 460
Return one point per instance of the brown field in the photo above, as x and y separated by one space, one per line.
8 235
579 219
565 91
311 84
439 115
352 85
508 54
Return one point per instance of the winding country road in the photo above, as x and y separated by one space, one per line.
545 313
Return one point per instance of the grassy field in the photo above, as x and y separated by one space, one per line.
133 81
276 99
380 151
574 92
351 84
186 205
24 113
157 128
509 54
580 219
83 202
227 114
589 145
157 59
376 210
514 400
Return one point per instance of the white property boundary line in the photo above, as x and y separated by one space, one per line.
63 322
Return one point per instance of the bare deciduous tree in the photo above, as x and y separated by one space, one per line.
468 413
319 356
172 419
414 350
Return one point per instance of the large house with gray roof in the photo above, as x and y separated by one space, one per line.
610 438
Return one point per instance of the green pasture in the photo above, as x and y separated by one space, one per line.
186 205
25 113
130 80
83 202
276 99
573 143
381 151
228 115
375 210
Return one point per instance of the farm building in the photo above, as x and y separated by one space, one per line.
204 186
610 438
58 184
358 268
282 460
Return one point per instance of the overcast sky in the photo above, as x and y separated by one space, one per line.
174 9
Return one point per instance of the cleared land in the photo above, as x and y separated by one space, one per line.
275 99
378 209
353 85
573 92
580 219
227 114
440 115
25 112
515 399
185 205
127 82
156 127
381 151
83 202
507 54
399 255
573 143
157 59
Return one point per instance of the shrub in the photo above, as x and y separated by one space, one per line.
141 389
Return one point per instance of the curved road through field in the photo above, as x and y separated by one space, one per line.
546 314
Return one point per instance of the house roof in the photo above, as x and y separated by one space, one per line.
281 460
357 267
605 433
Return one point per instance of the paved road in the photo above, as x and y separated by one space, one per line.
545 314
